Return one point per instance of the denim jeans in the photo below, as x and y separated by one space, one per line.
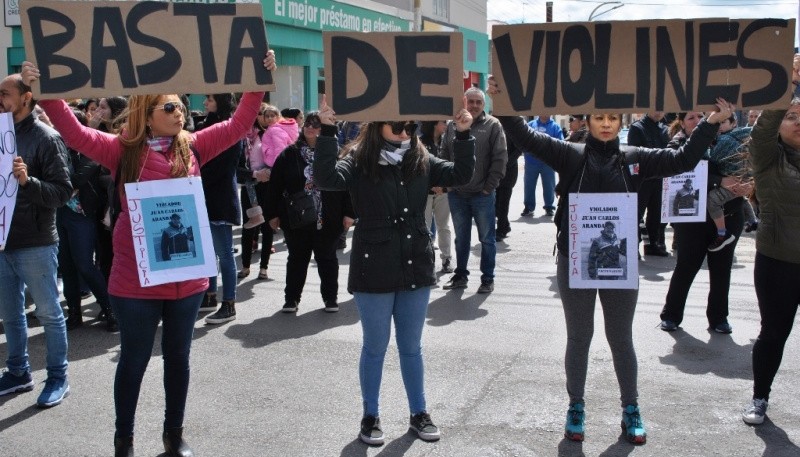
138 321
77 236
36 268
463 208
222 235
408 307
533 168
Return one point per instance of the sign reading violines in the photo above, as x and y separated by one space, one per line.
94 48
636 66
393 75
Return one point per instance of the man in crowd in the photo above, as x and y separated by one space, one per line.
29 257
535 168
476 199
649 132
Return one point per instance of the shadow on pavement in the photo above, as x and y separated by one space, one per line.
619 449
775 439
396 447
720 355
288 326
454 307
21 416
569 448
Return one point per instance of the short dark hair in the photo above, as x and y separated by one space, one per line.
579 117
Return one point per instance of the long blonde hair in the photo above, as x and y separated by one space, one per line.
135 133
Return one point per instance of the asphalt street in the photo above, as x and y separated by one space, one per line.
272 384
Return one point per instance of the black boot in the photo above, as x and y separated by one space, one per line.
174 445
74 317
111 320
123 447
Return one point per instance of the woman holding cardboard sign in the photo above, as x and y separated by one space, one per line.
152 146
602 166
388 173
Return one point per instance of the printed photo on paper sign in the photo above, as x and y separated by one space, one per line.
684 196
603 241
170 224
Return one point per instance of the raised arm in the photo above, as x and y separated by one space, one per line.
764 140
330 174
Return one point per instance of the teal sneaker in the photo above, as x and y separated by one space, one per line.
54 392
633 426
574 428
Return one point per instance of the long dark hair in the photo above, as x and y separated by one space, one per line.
117 105
366 151
226 104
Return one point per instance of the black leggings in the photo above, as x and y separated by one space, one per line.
248 235
778 290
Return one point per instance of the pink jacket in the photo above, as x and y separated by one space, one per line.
276 138
106 149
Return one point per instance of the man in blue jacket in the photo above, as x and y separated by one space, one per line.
535 168
29 257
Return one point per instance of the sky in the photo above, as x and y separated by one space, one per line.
518 11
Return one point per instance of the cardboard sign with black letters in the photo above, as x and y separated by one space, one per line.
98 48
393 75
639 66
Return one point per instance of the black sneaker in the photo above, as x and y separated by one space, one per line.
289 307
751 226
456 282
331 306
226 313
668 326
421 423
721 241
209 303
447 267
371 432
526 213
723 327
486 287
549 212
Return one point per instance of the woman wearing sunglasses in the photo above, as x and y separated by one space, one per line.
388 173
292 173
151 145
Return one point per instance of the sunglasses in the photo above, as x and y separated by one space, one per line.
313 123
398 127
170 107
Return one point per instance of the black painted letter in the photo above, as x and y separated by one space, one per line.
410 77
371 62
46 48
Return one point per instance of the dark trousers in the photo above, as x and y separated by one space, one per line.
301 243
138 321
650 200
778 290
692 250
248 235
77 236
503 198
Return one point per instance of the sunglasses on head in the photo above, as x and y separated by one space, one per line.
313 123
170 107
398 127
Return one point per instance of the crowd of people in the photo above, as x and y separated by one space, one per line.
398 183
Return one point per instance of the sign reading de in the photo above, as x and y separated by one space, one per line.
635 66
393 76
91 48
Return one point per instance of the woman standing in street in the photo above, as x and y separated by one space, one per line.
292 173
775 156
602 167
152 145
388 173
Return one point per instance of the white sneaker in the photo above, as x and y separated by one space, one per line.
755 412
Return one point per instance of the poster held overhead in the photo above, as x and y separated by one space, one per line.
637 66
104 48
393 75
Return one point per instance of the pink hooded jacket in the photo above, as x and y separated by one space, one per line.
106 149
277 137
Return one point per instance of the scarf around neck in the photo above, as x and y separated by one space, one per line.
160 143
392 153
307 153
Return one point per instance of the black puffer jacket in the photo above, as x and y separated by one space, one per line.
392 248
48 186
608 169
